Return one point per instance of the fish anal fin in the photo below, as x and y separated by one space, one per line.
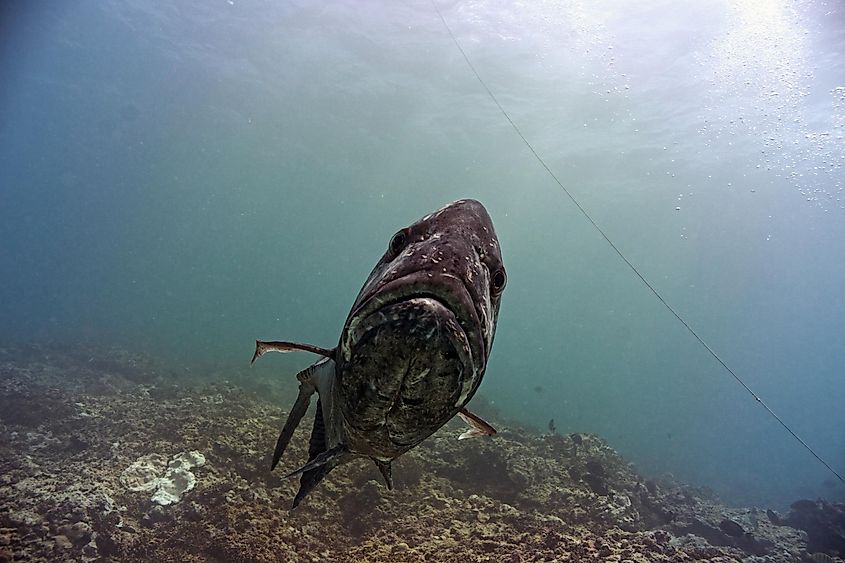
386 471
262 347
477 425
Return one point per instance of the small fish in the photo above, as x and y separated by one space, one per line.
576 439
552 427
412 351
774 517
732 528
596 483
538 389
804 505
595 467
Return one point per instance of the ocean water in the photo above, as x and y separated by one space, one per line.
182 178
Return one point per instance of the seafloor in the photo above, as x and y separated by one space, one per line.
90 436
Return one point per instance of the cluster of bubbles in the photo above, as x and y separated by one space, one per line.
761 79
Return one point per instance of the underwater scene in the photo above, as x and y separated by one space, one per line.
559 280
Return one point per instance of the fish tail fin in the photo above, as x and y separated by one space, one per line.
477 425
262 347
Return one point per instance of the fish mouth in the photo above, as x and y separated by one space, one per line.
447 296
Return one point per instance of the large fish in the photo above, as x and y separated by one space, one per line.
413 349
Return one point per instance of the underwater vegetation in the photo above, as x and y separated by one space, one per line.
106 456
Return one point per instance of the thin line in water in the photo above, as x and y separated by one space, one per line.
622 256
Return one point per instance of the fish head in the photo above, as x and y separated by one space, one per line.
422 327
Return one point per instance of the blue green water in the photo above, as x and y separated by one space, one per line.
182 178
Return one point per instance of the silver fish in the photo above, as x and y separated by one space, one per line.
412 351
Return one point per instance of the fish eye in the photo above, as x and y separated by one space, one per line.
499 280
397 243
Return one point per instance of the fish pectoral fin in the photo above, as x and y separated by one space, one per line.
330 458
477 426
262 347
386 472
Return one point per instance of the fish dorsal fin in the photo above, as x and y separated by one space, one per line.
262 347
477 426
386 472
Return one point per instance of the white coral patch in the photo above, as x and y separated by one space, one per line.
175 483
142 474
187 460
169 481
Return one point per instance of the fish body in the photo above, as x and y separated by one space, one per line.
732 528
413 349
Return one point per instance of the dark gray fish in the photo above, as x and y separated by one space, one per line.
804 505
595 467
732 528
596 483
774 517
412 351
552 427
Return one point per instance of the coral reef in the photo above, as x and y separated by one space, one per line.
101 458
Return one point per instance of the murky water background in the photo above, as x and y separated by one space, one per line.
185 178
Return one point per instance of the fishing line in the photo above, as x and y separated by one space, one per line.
622 256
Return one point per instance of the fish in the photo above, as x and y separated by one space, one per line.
596 483
552 427
774 517
596 468
732 528
412 352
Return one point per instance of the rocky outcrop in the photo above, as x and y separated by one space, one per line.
824 523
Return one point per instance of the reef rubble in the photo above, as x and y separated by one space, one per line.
104 458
